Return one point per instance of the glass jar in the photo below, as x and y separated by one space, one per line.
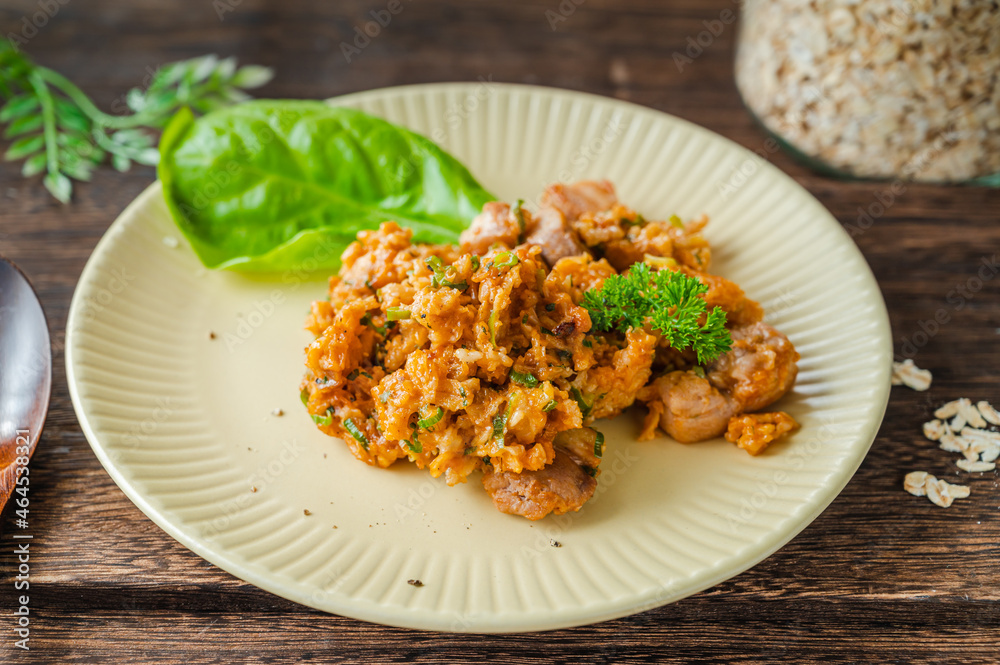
904 89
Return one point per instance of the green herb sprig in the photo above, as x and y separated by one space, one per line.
56 129
669 300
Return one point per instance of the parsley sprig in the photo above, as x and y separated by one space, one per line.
670 301
57 130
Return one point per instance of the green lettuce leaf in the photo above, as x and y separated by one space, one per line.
276 185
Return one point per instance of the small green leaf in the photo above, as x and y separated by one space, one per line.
34 165
225 69
252 76
18 107
148 156
24 147
80 170
121 163
135 99
202 68
59 186
25 125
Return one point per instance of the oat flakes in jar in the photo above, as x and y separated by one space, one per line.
878 88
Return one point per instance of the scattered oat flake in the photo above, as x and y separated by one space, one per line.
914 482
170 241
975 467
555 543
278 412
307 512
934 430
416 583
988 412
947 410
908 374
940 492
211 335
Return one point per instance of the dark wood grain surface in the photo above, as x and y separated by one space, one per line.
879 577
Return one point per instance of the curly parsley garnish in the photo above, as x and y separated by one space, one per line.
669 301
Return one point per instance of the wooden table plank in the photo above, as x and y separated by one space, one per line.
879 576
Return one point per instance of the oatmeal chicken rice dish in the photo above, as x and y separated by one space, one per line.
497 356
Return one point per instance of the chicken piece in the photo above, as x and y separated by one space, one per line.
691 408
759 369
562 486
552 233
753 432
580 197
495 224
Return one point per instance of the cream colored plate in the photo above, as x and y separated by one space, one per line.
184 424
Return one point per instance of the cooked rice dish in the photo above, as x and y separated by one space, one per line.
481 357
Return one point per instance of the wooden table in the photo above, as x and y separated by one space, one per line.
880 576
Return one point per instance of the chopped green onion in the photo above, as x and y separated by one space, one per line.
324 420
414 444
397 313
699 370
585 408
494 316
590 470
432 420
471 450
519 213
383 396
599 444
564 354
353 375
546 331
440 277
304 395
587 343
551 307
526 379
475 263
505 259
356 432
659 262
500 424
367 320
551 405
677 221
639 219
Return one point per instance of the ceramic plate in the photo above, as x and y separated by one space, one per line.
176 372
